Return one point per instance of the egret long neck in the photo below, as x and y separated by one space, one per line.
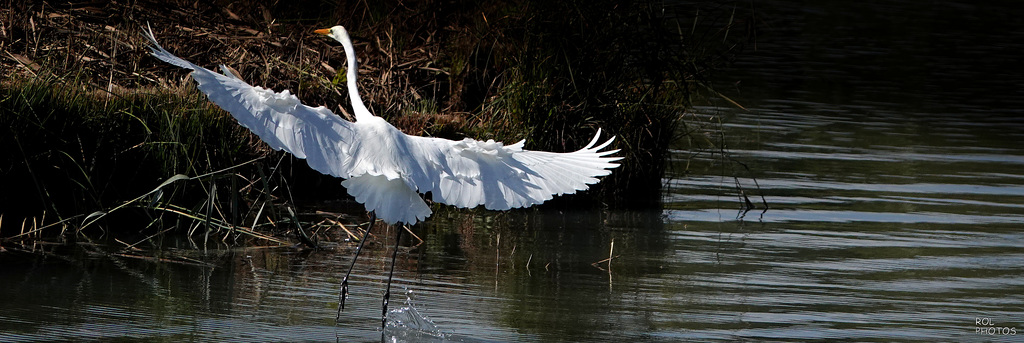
361 112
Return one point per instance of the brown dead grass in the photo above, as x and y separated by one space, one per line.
551 72
99 45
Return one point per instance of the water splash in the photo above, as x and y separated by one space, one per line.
406 324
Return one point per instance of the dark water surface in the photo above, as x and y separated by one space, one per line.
886 139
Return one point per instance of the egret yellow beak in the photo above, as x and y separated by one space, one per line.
324 31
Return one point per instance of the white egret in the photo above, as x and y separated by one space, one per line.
385 169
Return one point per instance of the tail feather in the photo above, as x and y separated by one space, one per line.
392 200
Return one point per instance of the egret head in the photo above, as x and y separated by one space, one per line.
338 33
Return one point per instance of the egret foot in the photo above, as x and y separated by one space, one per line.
387 290
344 281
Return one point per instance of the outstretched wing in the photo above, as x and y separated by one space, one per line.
278 118
469 173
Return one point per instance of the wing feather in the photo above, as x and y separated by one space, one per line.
470 173
278 118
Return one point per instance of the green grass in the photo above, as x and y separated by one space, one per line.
74 153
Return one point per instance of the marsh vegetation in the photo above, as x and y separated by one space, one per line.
100 133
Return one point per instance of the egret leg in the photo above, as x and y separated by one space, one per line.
344 281
387 290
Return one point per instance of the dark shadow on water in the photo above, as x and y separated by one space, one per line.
543 263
